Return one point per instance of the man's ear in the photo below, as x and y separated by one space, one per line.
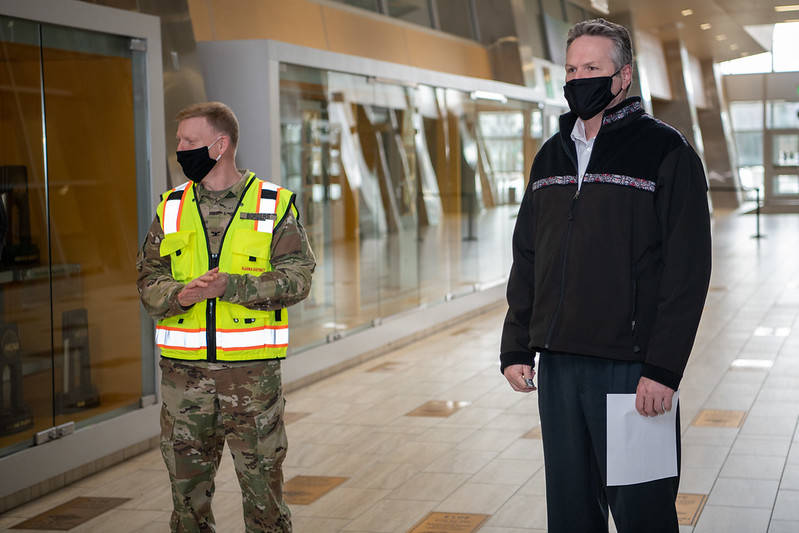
223 145
627 76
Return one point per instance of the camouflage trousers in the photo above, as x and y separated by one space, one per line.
205 404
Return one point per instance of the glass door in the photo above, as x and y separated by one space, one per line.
71 159
91 169
26 365
782 172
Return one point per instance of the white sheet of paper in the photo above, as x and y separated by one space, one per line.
640 448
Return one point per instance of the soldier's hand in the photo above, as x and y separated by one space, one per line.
517 376
212 284
216 285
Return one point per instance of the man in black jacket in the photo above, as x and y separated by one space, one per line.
611 265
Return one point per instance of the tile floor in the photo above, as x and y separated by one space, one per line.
484 459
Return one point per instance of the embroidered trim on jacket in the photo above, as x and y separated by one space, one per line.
617 179
621 113
554 180
614 179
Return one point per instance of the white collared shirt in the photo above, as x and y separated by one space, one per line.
584 147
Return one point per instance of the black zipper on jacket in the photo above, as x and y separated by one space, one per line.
566 241
213 262
635 304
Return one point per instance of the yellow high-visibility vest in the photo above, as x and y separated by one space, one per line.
214 330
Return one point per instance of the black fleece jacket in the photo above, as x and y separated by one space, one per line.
620 269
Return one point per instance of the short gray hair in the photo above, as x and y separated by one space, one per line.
622 45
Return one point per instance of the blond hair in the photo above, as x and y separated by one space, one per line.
219 116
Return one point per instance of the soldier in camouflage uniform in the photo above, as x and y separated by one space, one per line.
208 402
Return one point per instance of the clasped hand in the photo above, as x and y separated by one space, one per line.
212 284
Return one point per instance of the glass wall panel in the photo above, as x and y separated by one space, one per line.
408 193
26 365
415 11
751 178
455 17
371 5
785 150
91 161
747 116
749 146
70 325
747 123
786 184
312 168
782 115
388 140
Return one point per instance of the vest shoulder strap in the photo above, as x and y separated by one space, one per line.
173 207
266 206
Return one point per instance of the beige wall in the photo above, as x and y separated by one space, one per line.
316 25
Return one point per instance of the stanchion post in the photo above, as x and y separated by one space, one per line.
757 234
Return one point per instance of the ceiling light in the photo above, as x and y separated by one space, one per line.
733 47
687 12
721 37
705 26
783 9
790 21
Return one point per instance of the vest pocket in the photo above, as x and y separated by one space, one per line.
250 253
179 247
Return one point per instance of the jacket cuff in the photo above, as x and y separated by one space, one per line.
661 375
515 358
174 305
231 288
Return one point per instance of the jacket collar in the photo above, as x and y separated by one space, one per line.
614 116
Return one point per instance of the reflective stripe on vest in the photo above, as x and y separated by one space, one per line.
267 205
184 339
243 339
173 208
226 339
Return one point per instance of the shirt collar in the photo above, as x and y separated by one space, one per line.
578 133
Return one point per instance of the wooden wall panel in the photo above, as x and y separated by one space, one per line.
345 31
441 53
200 13
295 21
365 36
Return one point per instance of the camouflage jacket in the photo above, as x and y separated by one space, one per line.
292 261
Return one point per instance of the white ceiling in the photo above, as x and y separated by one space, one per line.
727 37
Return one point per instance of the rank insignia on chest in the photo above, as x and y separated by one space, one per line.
258 216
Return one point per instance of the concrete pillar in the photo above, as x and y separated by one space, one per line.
680 111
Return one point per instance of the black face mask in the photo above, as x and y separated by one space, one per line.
197 163
589 96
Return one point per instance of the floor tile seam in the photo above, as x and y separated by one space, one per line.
782 474
743 478
388 498
753 507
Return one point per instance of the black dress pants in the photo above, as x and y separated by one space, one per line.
572 403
